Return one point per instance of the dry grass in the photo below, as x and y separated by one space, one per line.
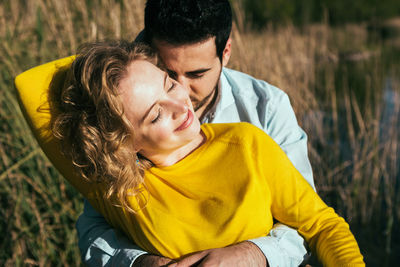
352 127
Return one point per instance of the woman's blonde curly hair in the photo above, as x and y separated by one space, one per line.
90 121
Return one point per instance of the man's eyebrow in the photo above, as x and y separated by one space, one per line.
199 71
151 107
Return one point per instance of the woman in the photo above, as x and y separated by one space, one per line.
151 169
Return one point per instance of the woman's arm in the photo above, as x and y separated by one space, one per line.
296 204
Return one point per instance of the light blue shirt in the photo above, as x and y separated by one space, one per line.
241 98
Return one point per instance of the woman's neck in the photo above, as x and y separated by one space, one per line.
170 158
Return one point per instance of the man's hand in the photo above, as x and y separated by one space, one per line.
243 254
148 260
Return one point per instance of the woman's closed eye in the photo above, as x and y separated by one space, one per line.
172 87
158 116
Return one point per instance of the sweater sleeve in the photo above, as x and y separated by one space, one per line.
295 203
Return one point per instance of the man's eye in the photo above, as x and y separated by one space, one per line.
196 75
158 117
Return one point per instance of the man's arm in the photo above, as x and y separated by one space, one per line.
243 254
101 245
282 247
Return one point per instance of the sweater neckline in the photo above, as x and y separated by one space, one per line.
193 156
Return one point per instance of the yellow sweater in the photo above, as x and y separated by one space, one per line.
227 191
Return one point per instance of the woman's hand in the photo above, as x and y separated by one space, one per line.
243 254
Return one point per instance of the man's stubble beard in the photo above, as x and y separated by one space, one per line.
213 96
199 104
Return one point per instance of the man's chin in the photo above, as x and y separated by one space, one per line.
197 104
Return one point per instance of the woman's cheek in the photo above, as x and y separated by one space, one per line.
162 134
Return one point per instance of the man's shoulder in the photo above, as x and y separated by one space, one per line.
245 84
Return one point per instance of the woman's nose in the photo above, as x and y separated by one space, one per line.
184 82
177 106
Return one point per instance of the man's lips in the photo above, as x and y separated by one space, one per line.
186 123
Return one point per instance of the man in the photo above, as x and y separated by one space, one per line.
193 40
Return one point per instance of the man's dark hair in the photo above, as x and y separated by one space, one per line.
181 22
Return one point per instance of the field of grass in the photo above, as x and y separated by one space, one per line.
343 83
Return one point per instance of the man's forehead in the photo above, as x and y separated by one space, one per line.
187 57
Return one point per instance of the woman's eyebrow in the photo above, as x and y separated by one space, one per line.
146 114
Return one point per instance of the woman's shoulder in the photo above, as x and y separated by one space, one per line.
245 137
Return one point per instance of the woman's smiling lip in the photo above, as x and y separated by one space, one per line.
187 122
